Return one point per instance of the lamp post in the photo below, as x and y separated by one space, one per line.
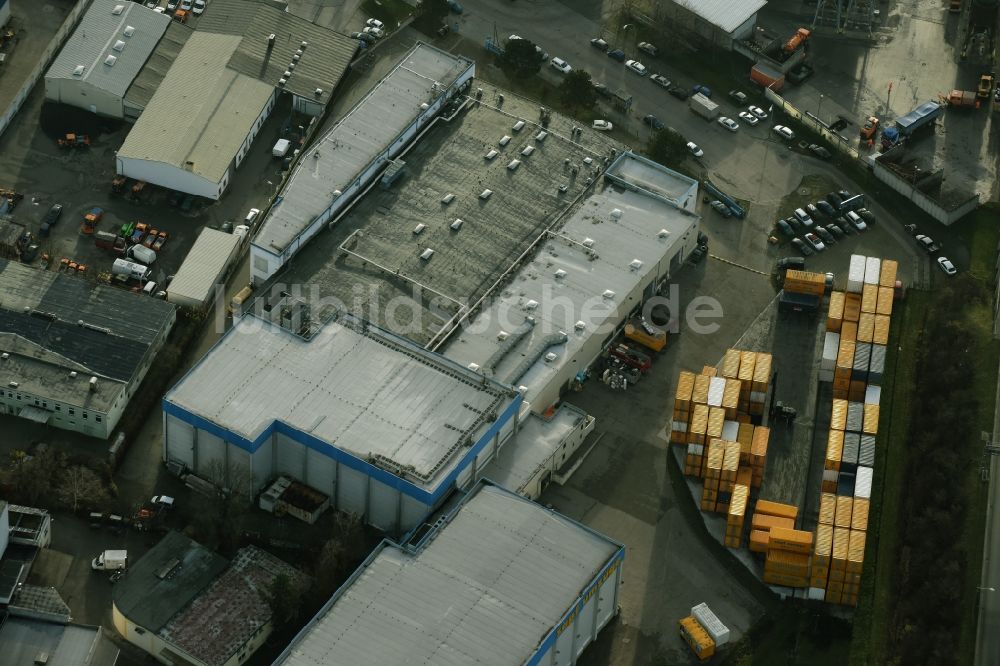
819 112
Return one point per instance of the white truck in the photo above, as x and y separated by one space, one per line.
141 254
110 560
703 106
130 269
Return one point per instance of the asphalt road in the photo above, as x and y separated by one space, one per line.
988 642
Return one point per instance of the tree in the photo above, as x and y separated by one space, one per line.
430 15
284 597
33 477
79 487
577 90
520 57
668 148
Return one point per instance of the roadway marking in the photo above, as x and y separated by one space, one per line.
733 263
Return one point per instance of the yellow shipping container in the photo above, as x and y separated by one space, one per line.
697 638
841 544
887 277
738 503
849 330
762 372
769 508
758 540
855 552
699 419
838 418
730 461
655 341
782 560
794 541
804 282
716 420
859 516
748 360
700 393
827 508
866 327
731 364
845 507
709 371
731 397
713 463
871 419
762 521
884 305
869 298
881 333
835 316
823 546
685 387
758 449
834 450
845 356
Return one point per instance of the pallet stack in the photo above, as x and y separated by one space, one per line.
736 516
858 328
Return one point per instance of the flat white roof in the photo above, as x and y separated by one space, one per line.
360 137
486 589
202 112
584 272
352 386
727 14
203 265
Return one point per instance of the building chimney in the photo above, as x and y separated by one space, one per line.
270 41
93 384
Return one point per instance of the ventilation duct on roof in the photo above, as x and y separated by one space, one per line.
303 45
119 46
110 60
79 70
282 81
128 31
117 10
287 73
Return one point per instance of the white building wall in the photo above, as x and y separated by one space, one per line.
178 440
352 491
90 422
412 511
210 460
171 177
81 94
289 457
383 507
321 472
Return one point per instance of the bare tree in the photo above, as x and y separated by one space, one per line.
80 487
33 477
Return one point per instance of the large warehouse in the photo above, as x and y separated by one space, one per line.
103 56
72 354
348 158
718 21
198 126
497 580
385 428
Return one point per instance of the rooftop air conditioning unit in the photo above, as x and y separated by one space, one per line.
588 242
419 229
427 254
119 46
110 60
117 10
291 66
663 233
303 45
560 273
12 384
79 70
318 92
502 335
636 264
531 305
295 58
551 356
616 214
457 224
608 294
485 194
128 31
72 374
474 367
580 325
93 383
5 356
282 81
287 73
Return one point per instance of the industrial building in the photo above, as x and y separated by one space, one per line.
184 604
148 80
27 639
198 125
497 580
103 56
346 161
721 22
384 428
72 354
204 268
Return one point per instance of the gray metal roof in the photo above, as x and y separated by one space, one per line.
726 14
357 140
149 600
486 589
351 385
23 639
94 39
202 266
157 65
321 64
202 111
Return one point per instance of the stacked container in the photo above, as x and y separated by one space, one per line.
760 384
856 273
758 454
835 317
745 438
788 557
855 565
748 360
713 474
736 516
682 408
697 638
838 564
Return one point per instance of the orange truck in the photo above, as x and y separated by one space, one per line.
91 219
963 99
870 128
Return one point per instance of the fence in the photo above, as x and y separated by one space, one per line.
839 142
50 52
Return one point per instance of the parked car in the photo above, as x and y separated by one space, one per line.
945 265
820 151
603 126
172 5
927 243
53 215
694 149
794 222
748 118
186 5
845 226
653 121
783 132
802 247
803 217
812 210
825 235
660 80
825 208
791 264
363 37
814 240
757 111
636 67
617 54
866 215
855 220
602 89
837 232
561 65
785 228
374 23
251 217
599 44
678 92
704 90
738 96
646 47
377 33
728 123
834 200
198 7
721 208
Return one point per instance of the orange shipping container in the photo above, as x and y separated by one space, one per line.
769 508
855 552
762 521
744 476
758 449
779 559
785 581
884 306
738 504
762 372
716 451
699 421
845 357
836 312
716 420
881 333
709 371
731 364
859 516
730 461
871 419
758 541
845 506
841 542
804 282
866 327
824 545
700 393
827 508
887 278
852 307
794 541
685 386
849 330
838 418
869 298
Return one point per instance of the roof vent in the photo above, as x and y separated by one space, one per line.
512 166
5 356
502 335
128 31
424 106
588 242
270 40
485 194
295 58
608 294
282 81
636 264
427 254
457 224
291 66
93 383
318 92
119 46
616 214
72 374
448 198
531 305
117 9
110 60
528 150
551 356
287 73
336 193
79 70
588 160
493 153
303 45
663 233
12 384
580 325
541 136
419 229
474 367
560 273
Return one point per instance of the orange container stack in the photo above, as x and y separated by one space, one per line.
736 516
713 474
758 454
682 408
760 384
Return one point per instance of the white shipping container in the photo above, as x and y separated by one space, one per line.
730 430
863 484
856 273
831 345
873 394
711 624
873 266
831 475
817 594
758 396
716 390
696 449
855 416
679 426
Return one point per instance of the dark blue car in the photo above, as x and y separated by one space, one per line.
617 54
704 90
